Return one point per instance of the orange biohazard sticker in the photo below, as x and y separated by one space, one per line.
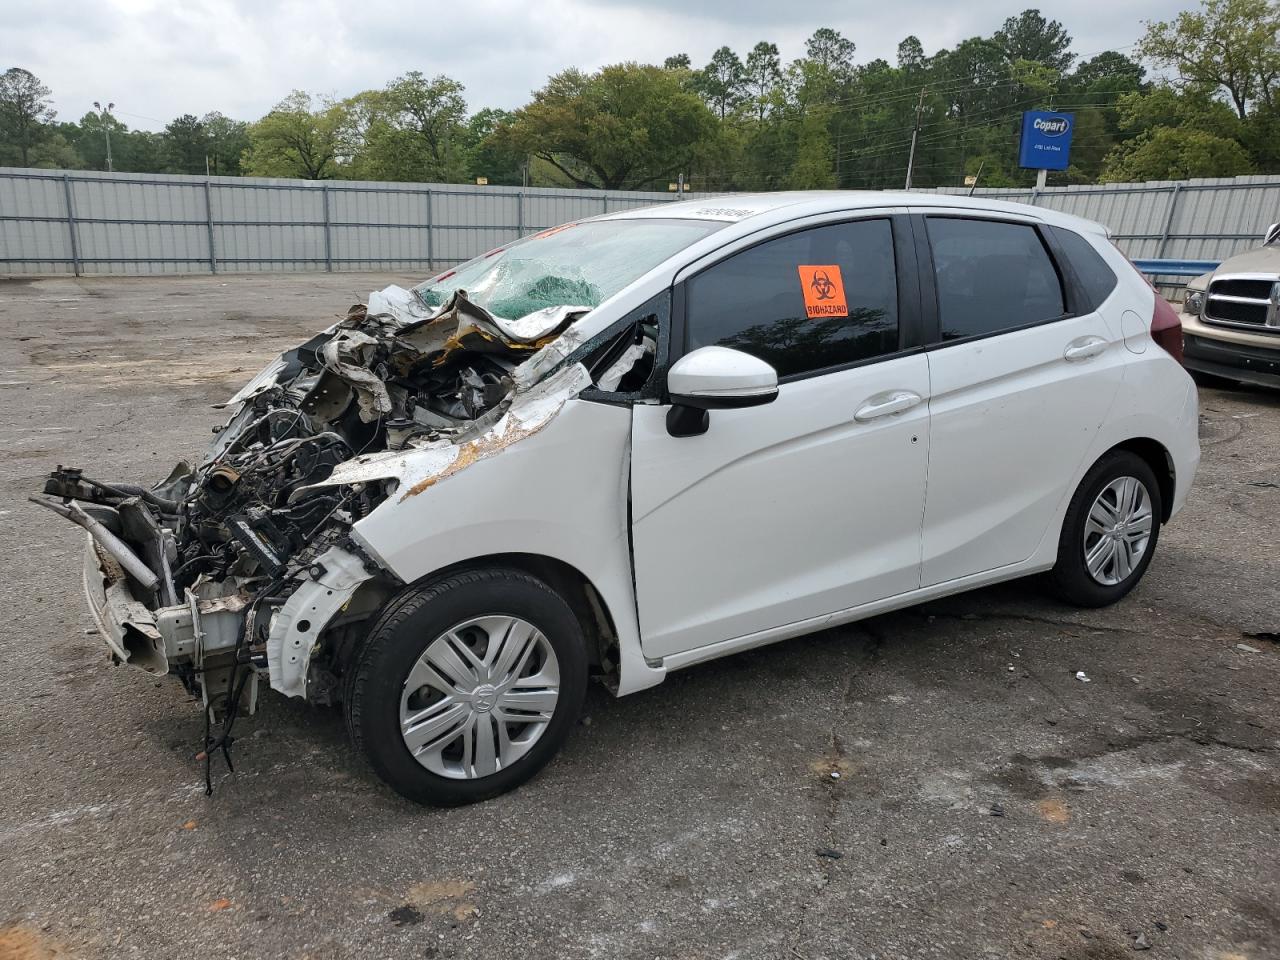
823 290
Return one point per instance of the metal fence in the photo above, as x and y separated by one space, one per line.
85 222
119 223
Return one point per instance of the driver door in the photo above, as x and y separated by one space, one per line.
811 504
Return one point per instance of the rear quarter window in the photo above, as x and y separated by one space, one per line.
1096 278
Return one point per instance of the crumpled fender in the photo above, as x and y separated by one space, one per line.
418 468
297 625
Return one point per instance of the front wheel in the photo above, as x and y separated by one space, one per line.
1109 533
468 686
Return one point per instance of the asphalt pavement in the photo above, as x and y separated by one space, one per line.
988 802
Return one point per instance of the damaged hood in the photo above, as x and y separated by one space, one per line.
426 464
398 314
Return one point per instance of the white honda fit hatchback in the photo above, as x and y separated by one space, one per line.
643 441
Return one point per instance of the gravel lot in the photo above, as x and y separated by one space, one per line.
989 804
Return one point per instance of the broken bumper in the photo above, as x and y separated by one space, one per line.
158 641
125 624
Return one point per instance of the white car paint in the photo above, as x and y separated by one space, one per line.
785 512
1010 417
799 514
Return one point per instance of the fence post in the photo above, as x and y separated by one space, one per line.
605 198
328 242
208 222
519 213
431 259
71 225
1168 220
1035 196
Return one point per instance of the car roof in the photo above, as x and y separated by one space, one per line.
756 210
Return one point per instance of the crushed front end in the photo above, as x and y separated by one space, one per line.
244 566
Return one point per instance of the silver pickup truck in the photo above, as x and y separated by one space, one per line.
1231 317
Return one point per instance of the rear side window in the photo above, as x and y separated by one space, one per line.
814 299
991 276
1096 278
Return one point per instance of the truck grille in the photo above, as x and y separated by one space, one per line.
1244 302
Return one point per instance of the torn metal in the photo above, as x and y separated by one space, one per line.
244 564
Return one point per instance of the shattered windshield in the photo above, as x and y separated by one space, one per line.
577 264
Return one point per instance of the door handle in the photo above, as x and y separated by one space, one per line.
1085 348
886 404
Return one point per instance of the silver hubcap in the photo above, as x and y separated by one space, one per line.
1117 531
479 697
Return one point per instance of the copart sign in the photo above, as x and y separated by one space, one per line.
1046 140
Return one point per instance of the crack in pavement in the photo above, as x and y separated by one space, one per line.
870 653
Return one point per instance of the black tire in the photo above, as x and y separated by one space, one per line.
403 631
1070 577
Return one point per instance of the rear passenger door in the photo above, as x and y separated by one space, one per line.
1023 370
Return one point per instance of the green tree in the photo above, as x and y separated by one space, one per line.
1166 153
25 114
832 52
624 127
1108 72
1029 36
677 61
431 112
813 169
763 73
911 54
1230 45
186 145
491 152
721 81
296 139
1173 133
89 140
226 141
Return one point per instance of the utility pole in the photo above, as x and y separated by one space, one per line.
915 135
977 176
104 116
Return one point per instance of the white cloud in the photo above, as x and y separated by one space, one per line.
157 59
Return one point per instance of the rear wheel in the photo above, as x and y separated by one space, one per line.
468 686
1109 533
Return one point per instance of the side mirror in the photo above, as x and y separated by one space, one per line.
715 378
1272 234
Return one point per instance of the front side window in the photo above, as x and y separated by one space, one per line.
991 276
811 300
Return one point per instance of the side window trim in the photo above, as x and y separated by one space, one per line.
1071 292
1076 299
660 307
912 333
930 315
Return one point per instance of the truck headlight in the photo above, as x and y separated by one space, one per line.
1193 303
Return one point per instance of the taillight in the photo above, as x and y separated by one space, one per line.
1166 325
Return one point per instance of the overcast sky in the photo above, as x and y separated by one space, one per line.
157 59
